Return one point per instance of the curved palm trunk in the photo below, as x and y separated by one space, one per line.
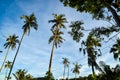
64 73
5 59
15 56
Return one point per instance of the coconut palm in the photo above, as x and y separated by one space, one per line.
20 74
30 22
76 69
57 39
11 42
58 21
91 48
7 66
66 64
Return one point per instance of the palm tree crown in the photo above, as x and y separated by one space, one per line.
30 21
11 41
65 61
58 21
76 68
8 64
56 37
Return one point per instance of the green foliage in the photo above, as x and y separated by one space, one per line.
116 50
92 47
76 69
99 32
57 37
23 75
76 30
95 7
65 62
58 21
8 64
30 21
11 41
49 76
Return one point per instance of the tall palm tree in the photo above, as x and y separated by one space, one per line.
7 66
66 64
11 42
91 48
76 69
58 21
30 22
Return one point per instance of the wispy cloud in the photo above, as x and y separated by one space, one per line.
35 51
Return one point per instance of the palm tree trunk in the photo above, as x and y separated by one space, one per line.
64 73
93 71
75 76
15 56
68 73
5 59
51 57
6 74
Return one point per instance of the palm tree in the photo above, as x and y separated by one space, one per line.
20 74
7 66
30 22
76 69
66 64
11 42
91 45
56 37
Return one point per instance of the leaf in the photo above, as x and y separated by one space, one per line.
80 49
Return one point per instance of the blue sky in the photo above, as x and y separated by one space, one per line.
35 51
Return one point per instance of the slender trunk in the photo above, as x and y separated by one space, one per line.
68 73
64 73
75 76
6 74
5 59
51 57
93 69
15 56
52 53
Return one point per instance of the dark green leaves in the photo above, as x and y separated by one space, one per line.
11 41
116 49
104 31
30 21
76 30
